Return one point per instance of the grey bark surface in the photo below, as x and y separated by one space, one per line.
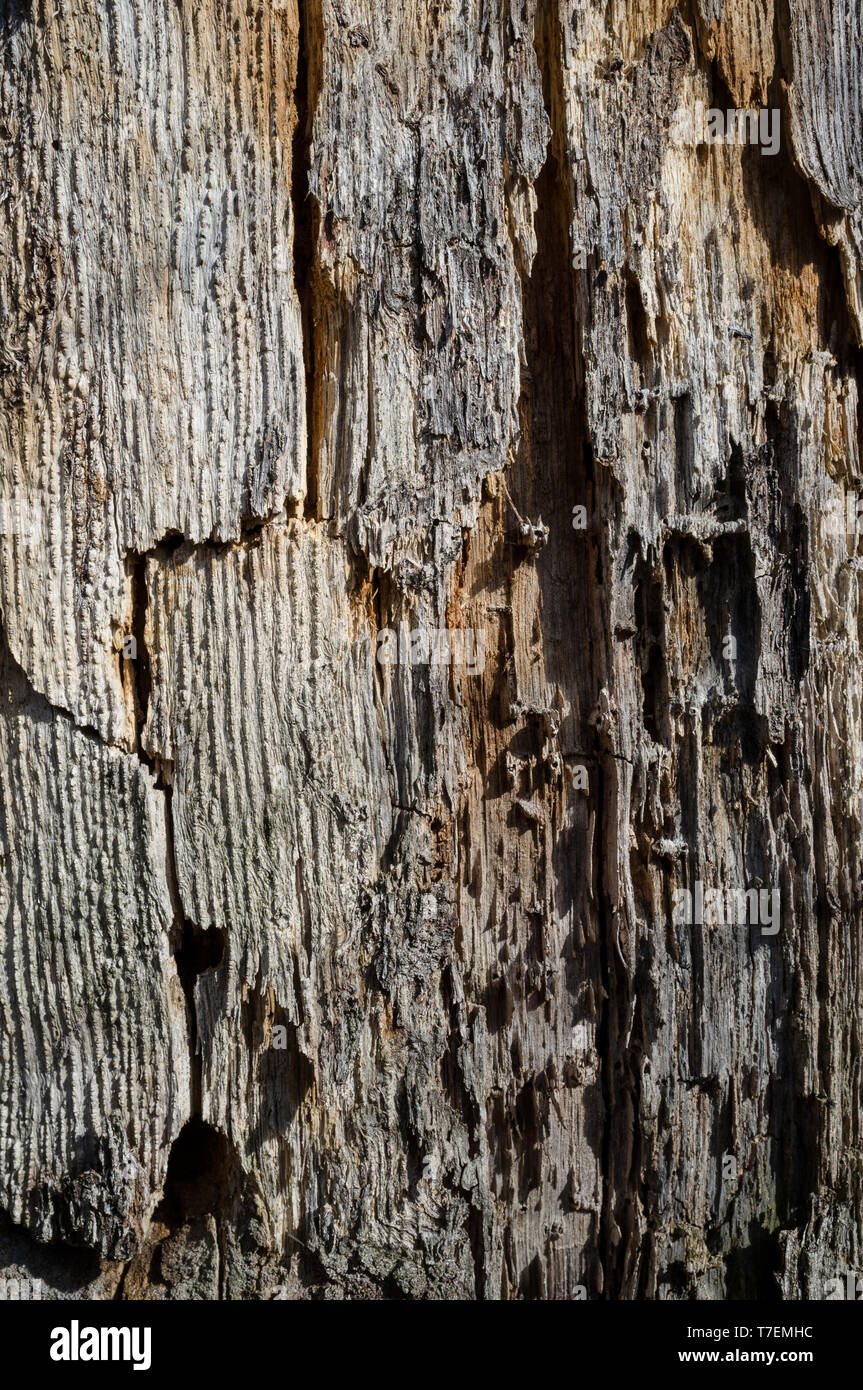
328 978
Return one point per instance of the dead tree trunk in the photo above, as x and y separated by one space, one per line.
428 466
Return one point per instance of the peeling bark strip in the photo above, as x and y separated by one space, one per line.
430 688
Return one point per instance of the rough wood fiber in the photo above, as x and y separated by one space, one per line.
826 110
417 347
93 1038
152 354
432 1029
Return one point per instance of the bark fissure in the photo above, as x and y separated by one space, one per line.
196 949
306 233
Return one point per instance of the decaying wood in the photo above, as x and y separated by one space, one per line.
333 975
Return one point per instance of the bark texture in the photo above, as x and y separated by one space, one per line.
330 977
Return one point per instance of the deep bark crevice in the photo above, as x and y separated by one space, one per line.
306 231
139 664
553 473
203 1174
196 949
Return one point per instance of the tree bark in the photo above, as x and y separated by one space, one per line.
419 474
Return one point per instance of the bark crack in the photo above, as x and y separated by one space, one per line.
196 950
306 274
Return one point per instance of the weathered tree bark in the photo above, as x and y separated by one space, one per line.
328 975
